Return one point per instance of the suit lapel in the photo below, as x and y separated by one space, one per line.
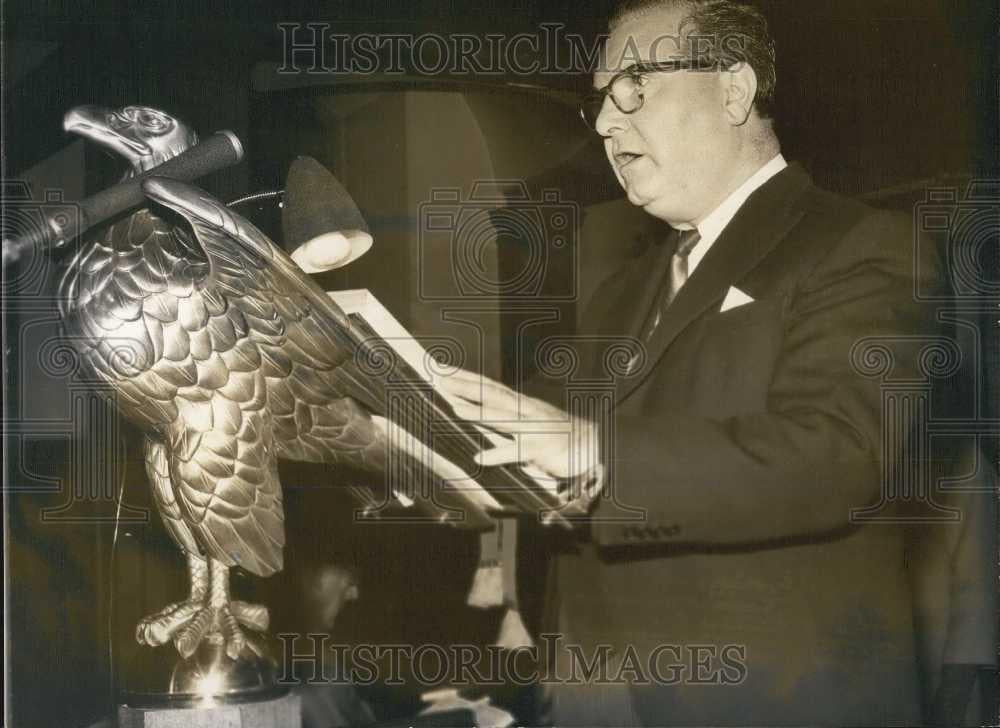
759 225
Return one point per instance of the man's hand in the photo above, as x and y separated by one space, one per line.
561 446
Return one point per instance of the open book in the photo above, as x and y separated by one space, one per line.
461 497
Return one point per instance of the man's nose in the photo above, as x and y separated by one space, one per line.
611 120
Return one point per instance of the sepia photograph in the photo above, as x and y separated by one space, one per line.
529 363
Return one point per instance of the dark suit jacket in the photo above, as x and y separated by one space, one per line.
747 439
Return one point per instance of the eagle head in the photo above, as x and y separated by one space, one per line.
144 136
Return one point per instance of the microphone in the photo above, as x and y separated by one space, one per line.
218 151
321 225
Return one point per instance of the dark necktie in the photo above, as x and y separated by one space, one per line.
676 277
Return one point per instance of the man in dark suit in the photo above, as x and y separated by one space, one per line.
747 594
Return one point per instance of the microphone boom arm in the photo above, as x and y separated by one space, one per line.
218 151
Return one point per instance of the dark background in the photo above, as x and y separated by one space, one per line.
870 93
878 99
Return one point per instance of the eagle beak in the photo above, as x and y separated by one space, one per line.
93 123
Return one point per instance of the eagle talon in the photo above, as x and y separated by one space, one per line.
233 635
207 615
217 625
194 631
251 616
157 629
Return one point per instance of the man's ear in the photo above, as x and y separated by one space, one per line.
739 87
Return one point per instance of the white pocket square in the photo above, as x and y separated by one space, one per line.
735 298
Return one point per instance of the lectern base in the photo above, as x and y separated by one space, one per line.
283 712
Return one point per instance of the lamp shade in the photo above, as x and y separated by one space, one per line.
320 217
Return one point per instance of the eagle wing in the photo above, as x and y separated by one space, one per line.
296 337
320 395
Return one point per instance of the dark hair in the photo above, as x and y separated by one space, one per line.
727 31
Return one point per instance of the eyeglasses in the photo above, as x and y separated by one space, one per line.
625 87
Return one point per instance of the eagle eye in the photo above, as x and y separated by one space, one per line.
154 122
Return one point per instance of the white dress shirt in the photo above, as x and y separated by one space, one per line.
713 225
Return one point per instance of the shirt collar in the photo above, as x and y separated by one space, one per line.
713 224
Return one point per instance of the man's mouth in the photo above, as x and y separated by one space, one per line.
623 159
